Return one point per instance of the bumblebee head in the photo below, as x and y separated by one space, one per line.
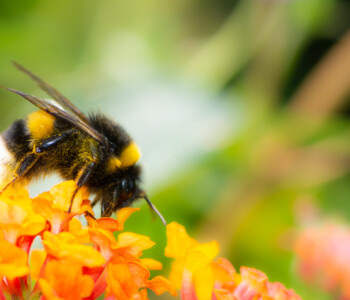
124 191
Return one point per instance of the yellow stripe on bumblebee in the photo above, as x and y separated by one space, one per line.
130 155
40 124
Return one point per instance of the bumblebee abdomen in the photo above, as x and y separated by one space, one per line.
14 145
5 159
17 139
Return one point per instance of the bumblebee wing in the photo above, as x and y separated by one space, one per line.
62 114
51 91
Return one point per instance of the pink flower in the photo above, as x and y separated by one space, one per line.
324 257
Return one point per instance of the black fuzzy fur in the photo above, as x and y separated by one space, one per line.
71 155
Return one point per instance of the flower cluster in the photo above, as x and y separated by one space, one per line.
323 257
89 262
200 277
76 262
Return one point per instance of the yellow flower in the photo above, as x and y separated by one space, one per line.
192 268
201 278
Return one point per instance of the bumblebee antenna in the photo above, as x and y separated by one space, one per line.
151 205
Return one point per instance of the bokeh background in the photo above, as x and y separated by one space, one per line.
241 109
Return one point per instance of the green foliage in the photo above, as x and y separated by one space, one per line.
243 190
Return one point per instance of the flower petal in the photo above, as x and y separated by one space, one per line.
124 214
151 264
159 285
80 233
13 261
203 280
211 249
64 246
134 243
61 196
37 259
54 205
222 294
253 284
178 241
17 220
65 281
225 275
120 282
104 241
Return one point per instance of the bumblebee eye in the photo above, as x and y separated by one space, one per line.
124 184
127 185
131 185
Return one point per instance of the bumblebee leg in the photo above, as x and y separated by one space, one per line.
45 144
81 179
29 160
88 214
24 166
107 210
96 200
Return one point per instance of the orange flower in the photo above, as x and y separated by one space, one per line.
110 224
13 267
65 281
17 217
126 280
128 243
84 262
80 233
77 262
133 243
13 261
201 278
225 275
37 260
127 274
151 264
54 205
66 247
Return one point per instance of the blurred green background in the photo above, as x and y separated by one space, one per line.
241 109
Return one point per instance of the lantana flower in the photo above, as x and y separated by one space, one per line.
200 277
54 205
76 262
18 221
323 253
57 283
102 261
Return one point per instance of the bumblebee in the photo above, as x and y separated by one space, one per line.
92 150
